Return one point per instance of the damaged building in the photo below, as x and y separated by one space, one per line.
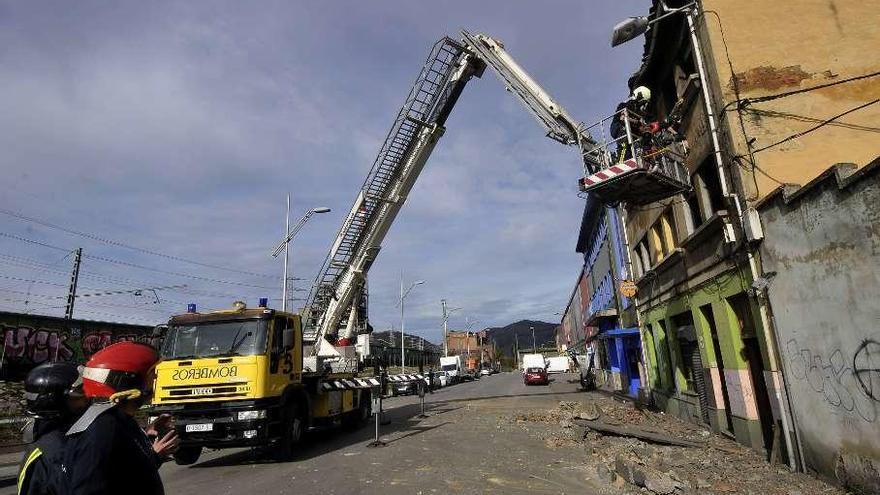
742 290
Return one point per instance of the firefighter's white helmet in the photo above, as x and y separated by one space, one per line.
642 93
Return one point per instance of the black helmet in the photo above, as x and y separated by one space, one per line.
48 386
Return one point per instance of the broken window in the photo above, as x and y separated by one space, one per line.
667 231
706 197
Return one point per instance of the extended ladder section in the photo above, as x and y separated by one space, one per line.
638 167
332 308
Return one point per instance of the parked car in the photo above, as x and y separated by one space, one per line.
485 372
536 376
405 388
440 379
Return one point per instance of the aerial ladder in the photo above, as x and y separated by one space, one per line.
336 311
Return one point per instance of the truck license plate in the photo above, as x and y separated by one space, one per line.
200 427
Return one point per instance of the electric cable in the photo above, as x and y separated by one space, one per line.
135 265
817 126
112 242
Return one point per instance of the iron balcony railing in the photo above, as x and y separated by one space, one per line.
642 165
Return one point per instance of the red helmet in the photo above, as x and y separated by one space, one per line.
120 367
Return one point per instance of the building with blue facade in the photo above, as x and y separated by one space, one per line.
610 315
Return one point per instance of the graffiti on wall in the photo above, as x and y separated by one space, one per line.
846 384
35 346
866 368
25 346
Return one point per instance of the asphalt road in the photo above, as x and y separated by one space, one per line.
467 444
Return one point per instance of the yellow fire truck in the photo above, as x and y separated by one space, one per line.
235 378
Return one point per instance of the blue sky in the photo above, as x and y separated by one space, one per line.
179 128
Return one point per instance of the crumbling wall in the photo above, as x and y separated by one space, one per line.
823 243
820 48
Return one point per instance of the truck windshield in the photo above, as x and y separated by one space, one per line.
228 338
449 367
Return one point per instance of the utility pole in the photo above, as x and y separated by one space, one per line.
516 338
402 339
286 257
445 328
533 340
74 278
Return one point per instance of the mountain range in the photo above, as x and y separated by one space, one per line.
505 338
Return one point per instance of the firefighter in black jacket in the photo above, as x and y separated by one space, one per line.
108 453
53 392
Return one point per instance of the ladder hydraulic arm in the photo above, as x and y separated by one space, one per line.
560 125
333 305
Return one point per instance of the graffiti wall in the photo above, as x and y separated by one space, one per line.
821 255
29 340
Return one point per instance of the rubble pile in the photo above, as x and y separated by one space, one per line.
642 451
11 399
12 408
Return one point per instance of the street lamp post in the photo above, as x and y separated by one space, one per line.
285 245
403 295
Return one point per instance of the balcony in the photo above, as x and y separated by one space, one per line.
639 167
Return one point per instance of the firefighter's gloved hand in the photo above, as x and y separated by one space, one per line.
160 426
167 445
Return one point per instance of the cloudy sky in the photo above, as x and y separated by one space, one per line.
178 128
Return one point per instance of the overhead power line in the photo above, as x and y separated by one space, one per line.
177 274
816 127
31 264
116 243
135 265
31 241
92 294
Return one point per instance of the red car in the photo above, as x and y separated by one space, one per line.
536 376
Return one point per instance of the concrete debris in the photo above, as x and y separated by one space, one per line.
647 436
640 451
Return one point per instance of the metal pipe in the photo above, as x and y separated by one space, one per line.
707 101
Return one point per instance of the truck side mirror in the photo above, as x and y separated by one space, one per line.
287 338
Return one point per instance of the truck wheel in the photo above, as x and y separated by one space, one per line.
292 433
187 455
359 417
